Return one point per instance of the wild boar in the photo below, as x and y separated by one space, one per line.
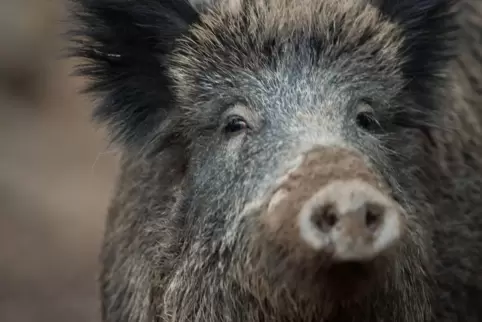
309 160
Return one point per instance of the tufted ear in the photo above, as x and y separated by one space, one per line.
429 30
124 44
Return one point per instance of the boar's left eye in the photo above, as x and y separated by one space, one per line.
235 124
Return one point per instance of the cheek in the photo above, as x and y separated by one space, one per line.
215 167
232 148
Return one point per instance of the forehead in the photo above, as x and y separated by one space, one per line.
269 41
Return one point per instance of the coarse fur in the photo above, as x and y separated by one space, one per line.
179 244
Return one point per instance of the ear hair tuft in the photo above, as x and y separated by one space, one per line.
429 28
124 44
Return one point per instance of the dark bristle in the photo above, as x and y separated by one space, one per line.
123 45
430 31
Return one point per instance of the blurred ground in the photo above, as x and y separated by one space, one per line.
55 175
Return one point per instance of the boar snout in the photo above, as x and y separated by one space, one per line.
333 203
351 220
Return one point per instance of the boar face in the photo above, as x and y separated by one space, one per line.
289 119
302 126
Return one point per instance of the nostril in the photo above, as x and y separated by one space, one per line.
325 218
350 220
373 216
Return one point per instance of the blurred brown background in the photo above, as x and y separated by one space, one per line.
56 173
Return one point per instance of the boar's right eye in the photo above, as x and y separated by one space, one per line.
365 117
235 124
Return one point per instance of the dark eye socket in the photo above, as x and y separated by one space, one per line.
365 117
366 120
235 124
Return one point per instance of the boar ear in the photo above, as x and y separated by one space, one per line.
124 44
428 27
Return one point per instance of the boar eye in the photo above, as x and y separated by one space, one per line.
365 117
235 124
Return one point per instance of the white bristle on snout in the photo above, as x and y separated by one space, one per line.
351 220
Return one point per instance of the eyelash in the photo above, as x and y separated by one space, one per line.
366 118
235 124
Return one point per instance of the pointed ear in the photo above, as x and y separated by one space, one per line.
124 45
429 31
